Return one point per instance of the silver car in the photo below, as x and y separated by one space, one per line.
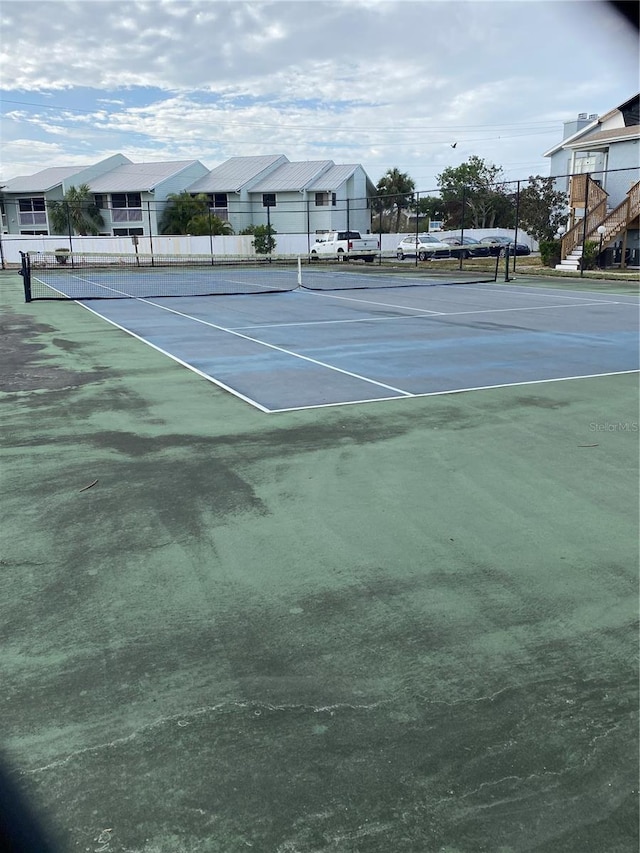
424 246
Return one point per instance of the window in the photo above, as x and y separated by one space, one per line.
127 207
268 199
126 200
218 205
128 232
32 211
323 199
100 201
585 162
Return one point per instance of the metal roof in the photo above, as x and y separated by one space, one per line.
232 175
293 176
333 178
42 181
138 177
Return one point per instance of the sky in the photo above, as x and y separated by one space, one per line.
416 85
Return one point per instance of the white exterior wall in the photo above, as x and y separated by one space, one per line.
288 216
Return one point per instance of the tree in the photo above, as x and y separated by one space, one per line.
395 191
542 208
263 241
205 224
486 205
77 213
430 207
182 209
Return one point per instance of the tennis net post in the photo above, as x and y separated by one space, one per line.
25 272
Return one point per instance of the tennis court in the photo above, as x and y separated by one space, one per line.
408 624
353 337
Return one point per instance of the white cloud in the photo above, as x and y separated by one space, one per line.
382 83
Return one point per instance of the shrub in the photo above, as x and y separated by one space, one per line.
589 255
550 252
263 240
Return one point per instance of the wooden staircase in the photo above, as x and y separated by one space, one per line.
586 194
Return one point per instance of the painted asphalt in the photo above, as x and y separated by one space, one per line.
404 626
304 349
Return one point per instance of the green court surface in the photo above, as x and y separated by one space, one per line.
404 627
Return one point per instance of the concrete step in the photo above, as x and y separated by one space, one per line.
569 264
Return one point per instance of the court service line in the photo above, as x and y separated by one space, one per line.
456 391
488 288
328 295
435 315
276 348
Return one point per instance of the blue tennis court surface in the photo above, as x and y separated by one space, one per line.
303 349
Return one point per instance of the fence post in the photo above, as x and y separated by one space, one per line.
506 263
464 198
150 231
515 236
69 229
584 221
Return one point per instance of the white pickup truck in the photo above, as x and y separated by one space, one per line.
345 246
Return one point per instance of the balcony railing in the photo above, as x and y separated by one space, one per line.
578 191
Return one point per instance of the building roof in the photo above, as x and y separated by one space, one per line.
233 174
333 178
602 137
579 138
138 177
41 181
292 177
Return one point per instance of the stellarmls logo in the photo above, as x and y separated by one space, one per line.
617 426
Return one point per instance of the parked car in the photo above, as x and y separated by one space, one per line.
424 246
467 247
346 246
498 244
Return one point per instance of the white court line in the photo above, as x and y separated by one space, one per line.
512 288
269 346
328 295
490 287
179 360
85 281
432 314
403 393
454 391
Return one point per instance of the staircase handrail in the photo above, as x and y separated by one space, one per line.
614 221
578 191
575 235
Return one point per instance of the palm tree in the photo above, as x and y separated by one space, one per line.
204 224
396 188
77 213
180 210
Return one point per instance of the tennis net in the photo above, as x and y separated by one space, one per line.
74 276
